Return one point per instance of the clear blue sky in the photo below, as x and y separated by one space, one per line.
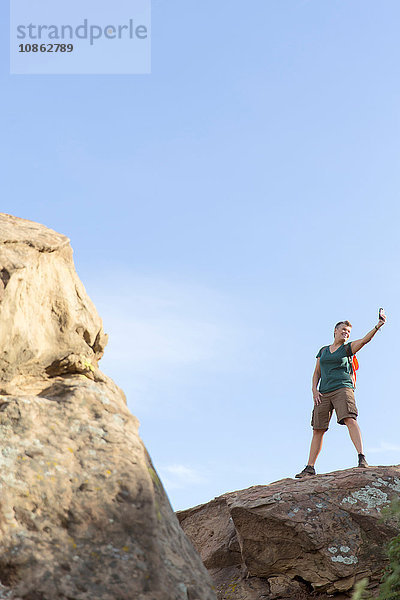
225 211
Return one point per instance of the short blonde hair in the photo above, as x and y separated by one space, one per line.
347 323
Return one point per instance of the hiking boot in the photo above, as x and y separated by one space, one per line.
307 472
362 461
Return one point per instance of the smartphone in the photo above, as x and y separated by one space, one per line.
381 313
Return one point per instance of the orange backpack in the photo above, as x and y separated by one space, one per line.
353 364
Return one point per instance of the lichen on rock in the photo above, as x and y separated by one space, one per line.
298 539
83 514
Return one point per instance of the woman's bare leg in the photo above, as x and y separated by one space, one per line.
355 433
316 445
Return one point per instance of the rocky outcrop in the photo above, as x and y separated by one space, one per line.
48 324
83 514
297 539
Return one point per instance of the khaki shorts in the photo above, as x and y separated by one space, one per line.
342 400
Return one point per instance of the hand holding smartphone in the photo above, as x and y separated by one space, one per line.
381 315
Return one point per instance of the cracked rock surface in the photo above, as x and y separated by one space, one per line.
297 539
83 514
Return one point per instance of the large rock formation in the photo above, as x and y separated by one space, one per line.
297 539
46 316
83 514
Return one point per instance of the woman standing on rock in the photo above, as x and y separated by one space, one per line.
334 373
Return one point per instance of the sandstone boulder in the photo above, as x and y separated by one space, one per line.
83 514
307 538
45 313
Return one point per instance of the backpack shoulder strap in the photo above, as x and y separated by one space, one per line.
348 350
353 363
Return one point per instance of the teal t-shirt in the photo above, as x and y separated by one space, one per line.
335 368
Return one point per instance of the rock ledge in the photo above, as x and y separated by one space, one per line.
306 538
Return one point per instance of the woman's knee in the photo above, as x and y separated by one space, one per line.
319 432
350 421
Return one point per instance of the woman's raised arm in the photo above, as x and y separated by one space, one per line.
358 344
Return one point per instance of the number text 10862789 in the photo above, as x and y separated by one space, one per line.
46 47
